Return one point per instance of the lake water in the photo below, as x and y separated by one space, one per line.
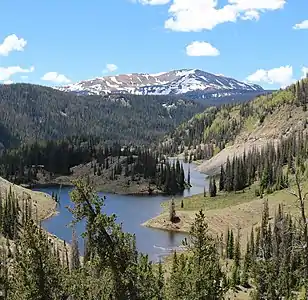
131 211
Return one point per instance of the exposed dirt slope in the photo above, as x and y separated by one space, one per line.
46 206
227 214
283 121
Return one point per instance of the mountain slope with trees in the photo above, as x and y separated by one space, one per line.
30 112
271 264
229 130
115 169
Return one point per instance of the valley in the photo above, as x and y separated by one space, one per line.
154 150
254 155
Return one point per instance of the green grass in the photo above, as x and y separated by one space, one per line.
222 200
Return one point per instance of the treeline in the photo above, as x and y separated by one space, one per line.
166 176
274 265
265 165
53 158
209 132
22 164
15 213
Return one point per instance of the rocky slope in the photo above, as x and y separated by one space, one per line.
193 83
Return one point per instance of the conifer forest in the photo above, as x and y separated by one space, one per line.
270 263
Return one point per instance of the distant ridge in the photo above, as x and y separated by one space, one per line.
193 83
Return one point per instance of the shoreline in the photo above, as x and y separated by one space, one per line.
119 191
162 222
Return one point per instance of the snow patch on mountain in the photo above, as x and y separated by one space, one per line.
175 82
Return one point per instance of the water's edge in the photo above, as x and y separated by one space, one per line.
132 212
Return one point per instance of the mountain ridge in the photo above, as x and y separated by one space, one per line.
32 112
194 83
228 131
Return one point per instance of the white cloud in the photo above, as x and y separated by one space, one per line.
12 43
55 77
197 15
8 82
153 2
6 73
201 49
24 77
305 72
282 76
302 25
260 5
110 68
251 15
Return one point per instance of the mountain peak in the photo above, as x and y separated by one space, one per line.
174 82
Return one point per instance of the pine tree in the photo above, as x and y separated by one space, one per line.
237 250
75 256
160 282
222 179
231 245
36 273
172 214
212 187
206 275
114 251
246 264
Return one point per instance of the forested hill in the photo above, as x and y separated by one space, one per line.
31 112
217 133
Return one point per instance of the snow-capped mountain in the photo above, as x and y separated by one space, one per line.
177 82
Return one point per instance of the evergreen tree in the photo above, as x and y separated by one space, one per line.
188 176
222 179
75 256
212 187
206 275
36 272
172 214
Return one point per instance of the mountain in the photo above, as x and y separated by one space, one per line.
31 112
228 131
191 83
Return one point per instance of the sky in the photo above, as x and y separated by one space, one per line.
58 42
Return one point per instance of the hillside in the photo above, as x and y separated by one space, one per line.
31 112
191 83
46 206
230 130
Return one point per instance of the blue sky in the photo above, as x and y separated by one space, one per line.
61 41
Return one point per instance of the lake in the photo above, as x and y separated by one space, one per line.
131 211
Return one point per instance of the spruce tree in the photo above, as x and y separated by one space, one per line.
206 275
222 179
